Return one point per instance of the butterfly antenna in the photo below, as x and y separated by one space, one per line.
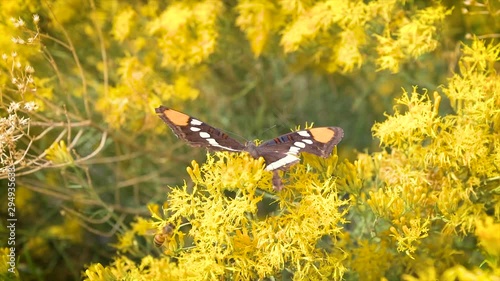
272 127
233 134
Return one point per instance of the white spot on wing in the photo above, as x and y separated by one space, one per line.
303 133
294 150
281 162
196 122
195 129
213 142
307 141
299 144
205 135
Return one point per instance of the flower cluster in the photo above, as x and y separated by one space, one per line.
230 233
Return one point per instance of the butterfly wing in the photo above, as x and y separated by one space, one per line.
197 133
282 152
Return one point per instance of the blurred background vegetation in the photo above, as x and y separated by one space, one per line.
94 153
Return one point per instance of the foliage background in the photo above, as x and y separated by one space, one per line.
93 155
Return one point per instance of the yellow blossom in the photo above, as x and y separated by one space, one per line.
58 153
257 19
123 23
488 235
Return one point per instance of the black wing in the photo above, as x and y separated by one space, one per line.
197 133
281 152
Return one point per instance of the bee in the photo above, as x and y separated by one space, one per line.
164 235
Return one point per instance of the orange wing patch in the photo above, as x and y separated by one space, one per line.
178 118
323 135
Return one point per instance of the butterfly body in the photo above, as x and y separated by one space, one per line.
279 153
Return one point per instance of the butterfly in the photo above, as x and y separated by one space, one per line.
279 153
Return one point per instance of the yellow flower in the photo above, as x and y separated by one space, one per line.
123 23
257 19
488 234
58 153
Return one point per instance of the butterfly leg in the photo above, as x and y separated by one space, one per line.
277 182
